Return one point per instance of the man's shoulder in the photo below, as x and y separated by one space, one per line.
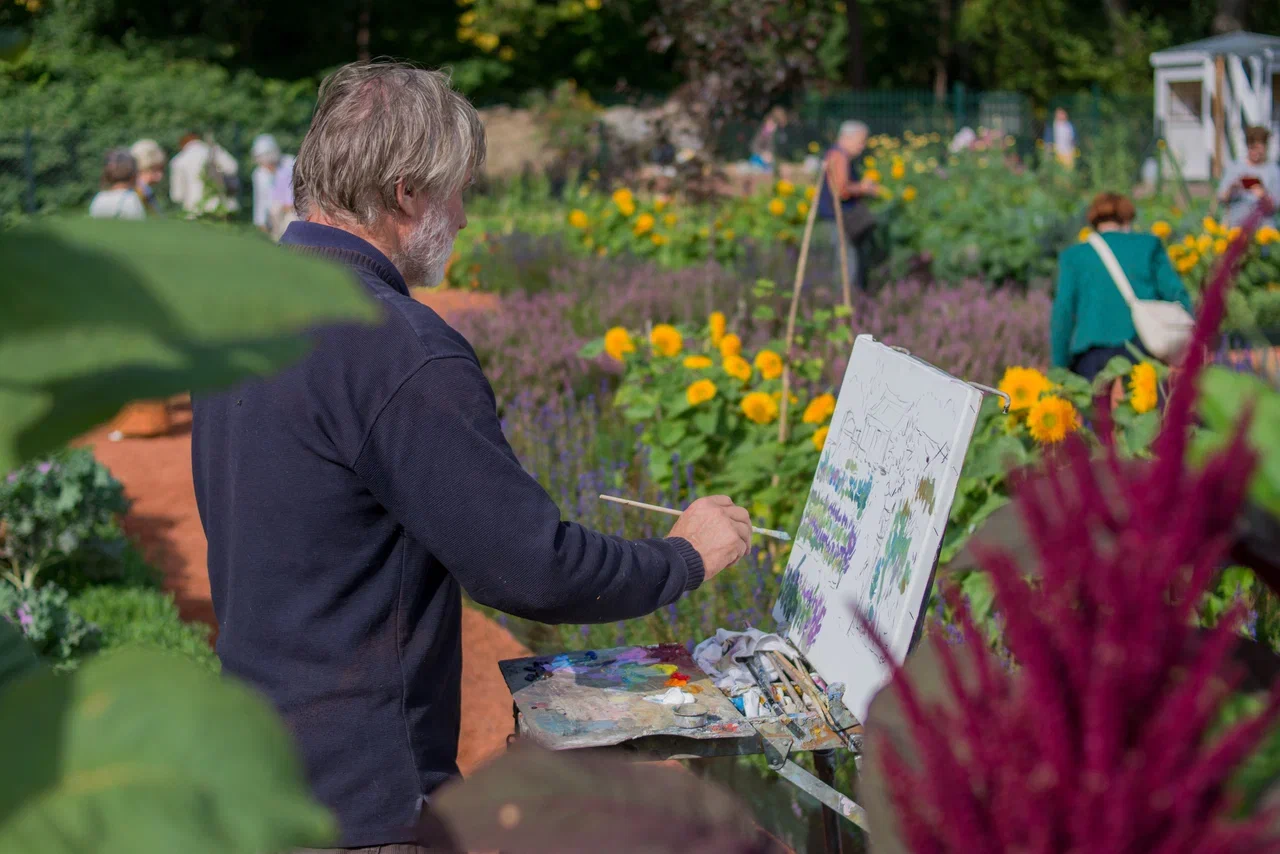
423 333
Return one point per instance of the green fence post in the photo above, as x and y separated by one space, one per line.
957 104
29 170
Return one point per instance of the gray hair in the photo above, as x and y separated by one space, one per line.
148 154
377 124
853 129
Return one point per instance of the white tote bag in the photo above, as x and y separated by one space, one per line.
1163 327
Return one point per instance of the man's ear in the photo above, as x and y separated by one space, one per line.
404 198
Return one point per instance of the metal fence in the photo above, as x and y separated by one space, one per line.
46 169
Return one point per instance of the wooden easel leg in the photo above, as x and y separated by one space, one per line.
824 763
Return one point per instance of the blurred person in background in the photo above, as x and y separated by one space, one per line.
270 162
282 210
1060 136
1091 322
118 198
150 159
843 180
1246 183
764 146
203 177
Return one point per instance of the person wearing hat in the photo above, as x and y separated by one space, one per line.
270 162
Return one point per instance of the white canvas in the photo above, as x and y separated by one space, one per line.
875 515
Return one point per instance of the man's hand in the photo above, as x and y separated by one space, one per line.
718 529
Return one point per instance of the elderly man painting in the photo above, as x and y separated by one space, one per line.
349 501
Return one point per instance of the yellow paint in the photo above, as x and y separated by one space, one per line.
668 669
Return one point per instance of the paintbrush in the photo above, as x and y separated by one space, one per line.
806 685
764 532
757 672
786 682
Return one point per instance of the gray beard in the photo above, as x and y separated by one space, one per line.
424 255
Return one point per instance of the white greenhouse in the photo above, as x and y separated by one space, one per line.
1203 132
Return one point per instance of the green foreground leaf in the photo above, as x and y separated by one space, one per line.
1224 396
102 312
17 658
142 752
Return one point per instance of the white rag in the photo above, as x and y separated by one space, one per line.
734 678
671 697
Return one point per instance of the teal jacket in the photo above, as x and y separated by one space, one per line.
1088 310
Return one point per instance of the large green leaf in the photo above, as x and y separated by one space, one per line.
1224 396
101 312
141 752
17 658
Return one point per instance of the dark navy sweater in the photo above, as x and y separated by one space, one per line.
348 502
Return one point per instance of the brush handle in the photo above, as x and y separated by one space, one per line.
764 532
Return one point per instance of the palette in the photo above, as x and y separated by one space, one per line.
596 698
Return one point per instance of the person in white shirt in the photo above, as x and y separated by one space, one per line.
188 170
267 206
118 198
1062 136
1250 181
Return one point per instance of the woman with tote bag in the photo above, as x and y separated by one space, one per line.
1116 289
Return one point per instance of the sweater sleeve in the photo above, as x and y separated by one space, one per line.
436 458
1169 285
1062 321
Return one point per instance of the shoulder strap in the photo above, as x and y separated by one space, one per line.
1113 267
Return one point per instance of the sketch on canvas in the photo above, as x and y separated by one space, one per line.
875 515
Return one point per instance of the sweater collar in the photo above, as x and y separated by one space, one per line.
344 246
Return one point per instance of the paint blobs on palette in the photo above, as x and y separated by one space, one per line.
802 606
676 679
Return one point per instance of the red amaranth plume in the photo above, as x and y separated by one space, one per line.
1098 741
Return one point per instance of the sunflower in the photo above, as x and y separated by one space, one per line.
716 323
1203 244
660 204
820 438
644 224
697 363
1210 226
1084 234
819 409
1143 390
872 175
777 207
769 364
908 193
1051 419
730 345
666 339
624 201
618 343
802 208
1267 235
809 193
759 407
670 220
1161 229
1220 246
814 148
578 219
1024 386
898 170
658 239
784 188
737 367
700 392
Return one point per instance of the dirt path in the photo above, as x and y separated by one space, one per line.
164 520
